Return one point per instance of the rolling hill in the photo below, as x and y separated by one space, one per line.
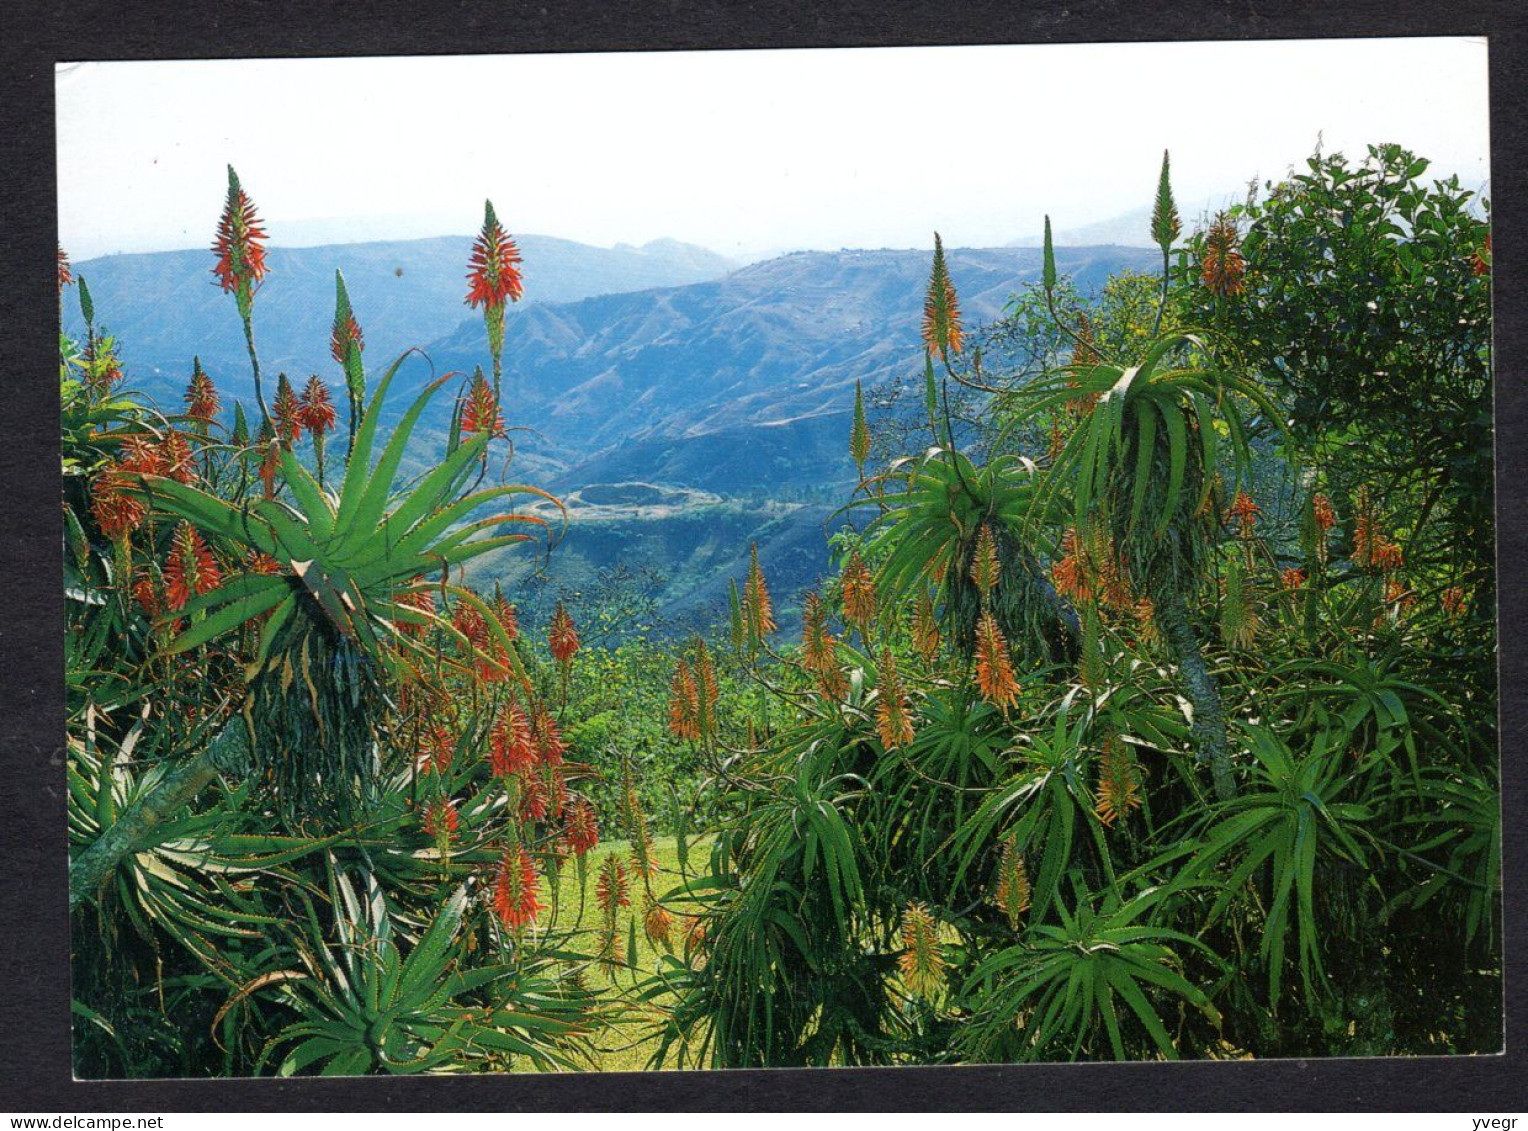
728 394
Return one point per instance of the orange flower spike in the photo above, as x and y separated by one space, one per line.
315 411
994 669
345 331
562 635
550 746
684 704
1223 268
1245 511
757 605
1480 261
707 689
142 455
481 411
116 512
1013 888
241 254
287 411
174 459
469 622
437 747
657 923
420 601
190 570
986 569
1325 516
65 274
1453 601
922 959
612 890
493 274
505 614
514 890
894 722
202 400
941 309
583 831
1293 579
859 592
270 464
1118 789
557 792
493 281
925 629
535 801
511 747
817 644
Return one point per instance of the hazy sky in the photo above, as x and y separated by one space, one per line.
740 151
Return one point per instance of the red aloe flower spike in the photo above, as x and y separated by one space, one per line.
116 512
684 703
986 568
514 889
941 311
925 628
562 636
613 889
859 592
657 923
419 600
534 801
1245 511
240 265
493 281
315 411
1013 889
174 459
288 411
1223 267
994 670
583 831
1118 785
1326 517
511 748
922 957
65 275
480 409
190 569
758 610
1480 261
202 401
709 692
894 722
550 746
441 819
241 255
437 747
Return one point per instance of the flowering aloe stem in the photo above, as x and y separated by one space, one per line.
240 265
227 753
254 362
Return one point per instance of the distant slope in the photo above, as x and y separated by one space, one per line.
738 383
164 306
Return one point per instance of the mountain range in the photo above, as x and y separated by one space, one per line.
685 409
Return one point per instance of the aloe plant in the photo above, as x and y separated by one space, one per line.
329 621
369 1000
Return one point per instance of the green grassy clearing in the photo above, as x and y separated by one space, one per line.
626 1046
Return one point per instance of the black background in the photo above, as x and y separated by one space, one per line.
34 937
